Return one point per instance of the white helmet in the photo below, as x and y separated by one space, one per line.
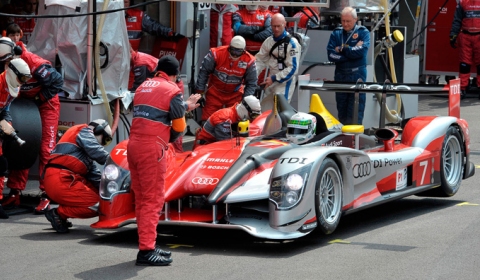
249 108
301 127
102 131
6 48
18 73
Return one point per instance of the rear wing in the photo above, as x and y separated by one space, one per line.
452 90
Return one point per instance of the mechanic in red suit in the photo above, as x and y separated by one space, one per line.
254 25
158 119
17 71
221 32
71 177
142 66
226 69
466 30
138 22
43 89
219 125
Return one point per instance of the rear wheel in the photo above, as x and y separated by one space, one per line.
328 196
451 164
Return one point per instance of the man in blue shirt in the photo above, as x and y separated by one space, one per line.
348 47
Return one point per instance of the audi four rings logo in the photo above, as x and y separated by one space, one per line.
205 181
150 84
361 170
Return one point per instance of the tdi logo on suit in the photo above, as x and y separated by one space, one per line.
362 169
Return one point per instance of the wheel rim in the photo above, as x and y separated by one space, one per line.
330 192
452 161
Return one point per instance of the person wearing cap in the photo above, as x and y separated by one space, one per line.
71 177
158 119
254 25
17 72
231 74
43 89
280 56
219 125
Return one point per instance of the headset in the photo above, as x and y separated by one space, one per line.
16 50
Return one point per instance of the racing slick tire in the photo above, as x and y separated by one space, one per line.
328 196
451 165
26 121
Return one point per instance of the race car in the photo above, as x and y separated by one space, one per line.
275 189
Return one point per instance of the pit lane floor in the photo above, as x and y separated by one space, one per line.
413 238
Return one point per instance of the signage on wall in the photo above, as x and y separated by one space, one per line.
204 6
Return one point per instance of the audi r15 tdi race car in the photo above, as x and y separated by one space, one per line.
275 189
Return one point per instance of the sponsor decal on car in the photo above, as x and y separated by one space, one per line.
362 169
292 160
401 179
386 162
204 181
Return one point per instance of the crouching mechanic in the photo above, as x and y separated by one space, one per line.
219 125
17 72
71 177
158 119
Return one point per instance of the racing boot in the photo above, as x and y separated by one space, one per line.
151 257
12 200
43 206
3 214
58 224
163 253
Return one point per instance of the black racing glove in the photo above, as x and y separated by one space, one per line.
453 41
201 101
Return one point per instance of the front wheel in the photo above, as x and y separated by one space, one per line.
328 196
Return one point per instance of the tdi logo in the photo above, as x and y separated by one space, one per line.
361 170
293 160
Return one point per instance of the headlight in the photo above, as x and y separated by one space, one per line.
294 182
111 172
286 191
114 180
112 187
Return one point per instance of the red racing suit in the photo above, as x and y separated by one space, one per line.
43 88
466 25
71 177
157 105
221 32
137 22
254 26
225 79
5 100
27 25
142 66
304 17
218 126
